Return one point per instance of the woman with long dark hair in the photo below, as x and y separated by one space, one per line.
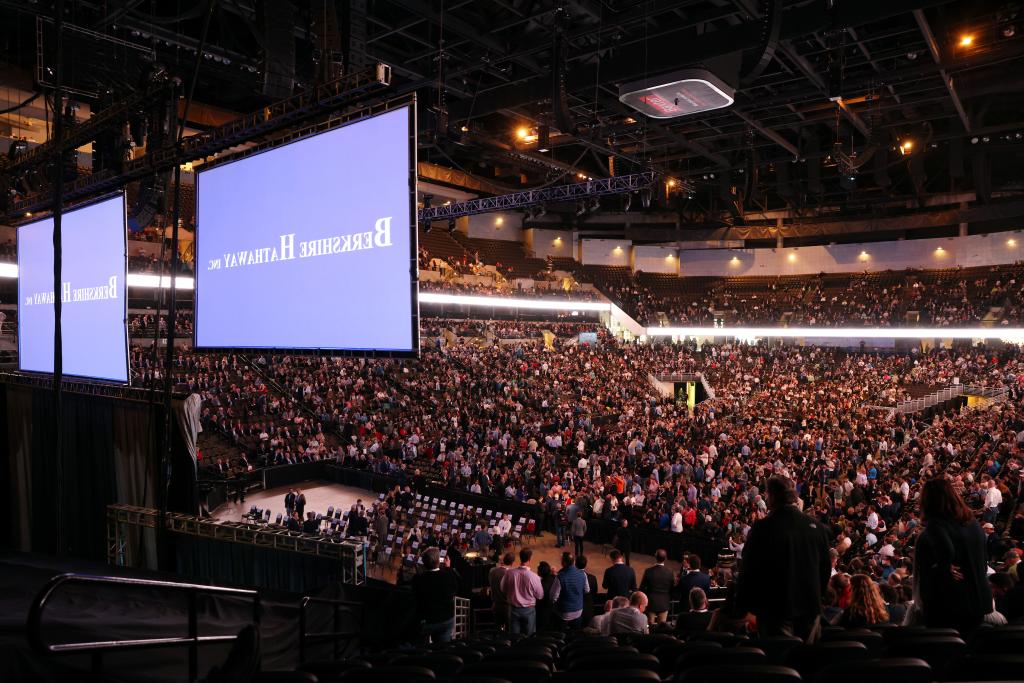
866 606
949 564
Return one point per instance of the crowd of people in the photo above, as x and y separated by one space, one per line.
581 434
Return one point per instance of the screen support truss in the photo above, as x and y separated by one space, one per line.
561 193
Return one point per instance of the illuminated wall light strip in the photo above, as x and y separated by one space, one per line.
1014 334
1006 333
502 302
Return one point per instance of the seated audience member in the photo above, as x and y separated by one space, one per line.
866 606
630 619
434 590
293 522
697 618
601 622
619 579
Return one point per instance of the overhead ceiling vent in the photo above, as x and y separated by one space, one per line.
682 93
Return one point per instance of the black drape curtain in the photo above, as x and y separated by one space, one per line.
109 456
240 564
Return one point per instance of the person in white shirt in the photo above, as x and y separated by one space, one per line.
504 526
677 521
993 499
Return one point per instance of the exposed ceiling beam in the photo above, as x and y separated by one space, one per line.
947 80
769 133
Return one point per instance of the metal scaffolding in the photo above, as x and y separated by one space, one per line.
562 193
305 106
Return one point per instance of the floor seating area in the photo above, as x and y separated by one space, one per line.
881 655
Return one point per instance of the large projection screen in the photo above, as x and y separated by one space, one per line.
93 292
311 246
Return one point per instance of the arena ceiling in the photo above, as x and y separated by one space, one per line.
842 107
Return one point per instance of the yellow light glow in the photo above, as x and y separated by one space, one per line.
522 132
966 40
864 256
465 129
734 260
499 220
28 214
792 257
906 147
671 182
557 240
617 250
939 251
1011 242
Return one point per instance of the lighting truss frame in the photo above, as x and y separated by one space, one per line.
561 193
307 105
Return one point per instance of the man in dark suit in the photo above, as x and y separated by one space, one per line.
624 541
310 525
619 579
657 583
289 501
786 567
691 577
588 597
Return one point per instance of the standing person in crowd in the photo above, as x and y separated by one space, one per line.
300 502
951 587
619 579
657 584
591 594
289 502
522 590
786 567
579 530
434 590
544 605
570 587
498 598
624 540
691 576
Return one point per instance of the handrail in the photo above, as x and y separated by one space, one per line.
335 635
97 648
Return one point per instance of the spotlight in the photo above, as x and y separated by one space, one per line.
974 141
671 182
522 132
906 147
1009 31
464 129
966 40
985 139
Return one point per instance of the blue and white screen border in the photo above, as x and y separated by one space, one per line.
350 118
124 286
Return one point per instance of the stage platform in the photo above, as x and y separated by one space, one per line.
321 495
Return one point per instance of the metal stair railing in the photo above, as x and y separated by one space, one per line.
97 648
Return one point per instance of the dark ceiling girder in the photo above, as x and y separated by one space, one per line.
933 48
769 133
679 48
